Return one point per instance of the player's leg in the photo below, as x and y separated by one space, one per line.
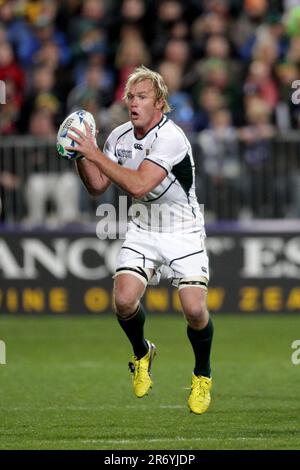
200 334
136 263
129 287
187 258
128 290
199 326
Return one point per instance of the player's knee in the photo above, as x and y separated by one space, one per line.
197 315
125 304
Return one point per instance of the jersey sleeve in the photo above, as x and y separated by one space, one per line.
168 150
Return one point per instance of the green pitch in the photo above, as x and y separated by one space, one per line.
66 386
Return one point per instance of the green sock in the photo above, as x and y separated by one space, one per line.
134 329
201 341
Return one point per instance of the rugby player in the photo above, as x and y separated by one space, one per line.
151 159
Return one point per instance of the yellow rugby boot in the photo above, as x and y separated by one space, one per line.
199 398
141 372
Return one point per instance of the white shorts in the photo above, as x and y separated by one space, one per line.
173 256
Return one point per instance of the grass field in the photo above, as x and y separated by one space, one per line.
66 386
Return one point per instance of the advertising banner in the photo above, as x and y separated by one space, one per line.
71 273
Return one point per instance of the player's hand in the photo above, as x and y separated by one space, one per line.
86 143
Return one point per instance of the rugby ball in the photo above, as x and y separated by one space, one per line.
76 120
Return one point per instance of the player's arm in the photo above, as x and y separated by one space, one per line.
95 182
137 183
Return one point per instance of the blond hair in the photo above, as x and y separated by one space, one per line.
160 88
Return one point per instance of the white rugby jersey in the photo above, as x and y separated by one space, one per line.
171 206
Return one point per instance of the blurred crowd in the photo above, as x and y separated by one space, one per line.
229 66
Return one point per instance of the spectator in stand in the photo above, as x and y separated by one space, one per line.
134 13
13 77
48 57
9 112
221 164
42 31
11 71
17 29
180 30
41 88
93 92
257 186
90 42
88 37
208 100
130 54
178 52
129 21
216 74
169 13
218 46
182 112
266 48
260 82
248 20
92 16
210 23
293 53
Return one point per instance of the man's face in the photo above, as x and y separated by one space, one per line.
144 110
